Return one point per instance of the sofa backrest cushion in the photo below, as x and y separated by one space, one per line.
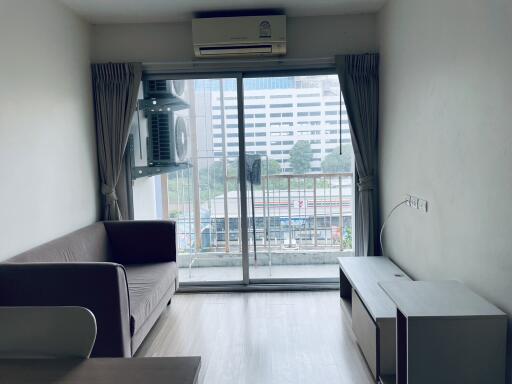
142 241
89 244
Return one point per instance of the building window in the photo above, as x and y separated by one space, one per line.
255 106
281 105
308 95
308 105
254 97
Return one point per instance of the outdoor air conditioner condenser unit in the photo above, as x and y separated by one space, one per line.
164 88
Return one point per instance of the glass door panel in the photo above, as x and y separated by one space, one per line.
299 197
200 189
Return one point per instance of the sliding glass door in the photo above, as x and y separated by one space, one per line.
199 190
195 139
300 195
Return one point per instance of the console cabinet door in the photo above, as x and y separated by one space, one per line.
366 333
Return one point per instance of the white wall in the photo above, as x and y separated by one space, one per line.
49 184
144 199
446 136
307 37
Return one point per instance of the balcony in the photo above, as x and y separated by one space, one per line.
294 226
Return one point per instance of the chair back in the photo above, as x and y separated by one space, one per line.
46 332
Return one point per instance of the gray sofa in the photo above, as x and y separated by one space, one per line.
124 272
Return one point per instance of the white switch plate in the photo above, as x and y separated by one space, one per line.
416 203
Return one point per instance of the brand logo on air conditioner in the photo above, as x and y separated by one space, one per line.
265 29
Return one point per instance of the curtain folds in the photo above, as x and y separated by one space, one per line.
115 89
359 81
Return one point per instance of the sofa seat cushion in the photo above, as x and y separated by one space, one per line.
147 286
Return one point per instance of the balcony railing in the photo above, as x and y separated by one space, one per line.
291 211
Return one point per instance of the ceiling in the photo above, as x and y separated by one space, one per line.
152 11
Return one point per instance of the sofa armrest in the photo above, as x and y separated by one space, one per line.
100 287
141 242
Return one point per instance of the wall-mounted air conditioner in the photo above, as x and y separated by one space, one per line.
239 36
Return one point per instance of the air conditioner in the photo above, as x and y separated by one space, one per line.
164 88
167 139
239 36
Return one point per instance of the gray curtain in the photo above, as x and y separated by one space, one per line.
115 89
359 81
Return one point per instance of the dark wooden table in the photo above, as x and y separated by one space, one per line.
151 370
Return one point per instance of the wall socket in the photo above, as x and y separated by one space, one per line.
417 203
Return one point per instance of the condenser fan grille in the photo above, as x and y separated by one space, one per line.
181 139
160 137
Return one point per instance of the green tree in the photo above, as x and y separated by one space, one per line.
334 162
213 173
274 167
300 157
211 178
347 241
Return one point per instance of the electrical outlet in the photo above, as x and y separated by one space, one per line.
423 205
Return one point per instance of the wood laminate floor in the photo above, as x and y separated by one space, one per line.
262 338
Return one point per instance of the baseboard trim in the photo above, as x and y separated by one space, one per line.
258 287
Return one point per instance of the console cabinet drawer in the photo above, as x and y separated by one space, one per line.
366 332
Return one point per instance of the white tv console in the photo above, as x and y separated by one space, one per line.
373 312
